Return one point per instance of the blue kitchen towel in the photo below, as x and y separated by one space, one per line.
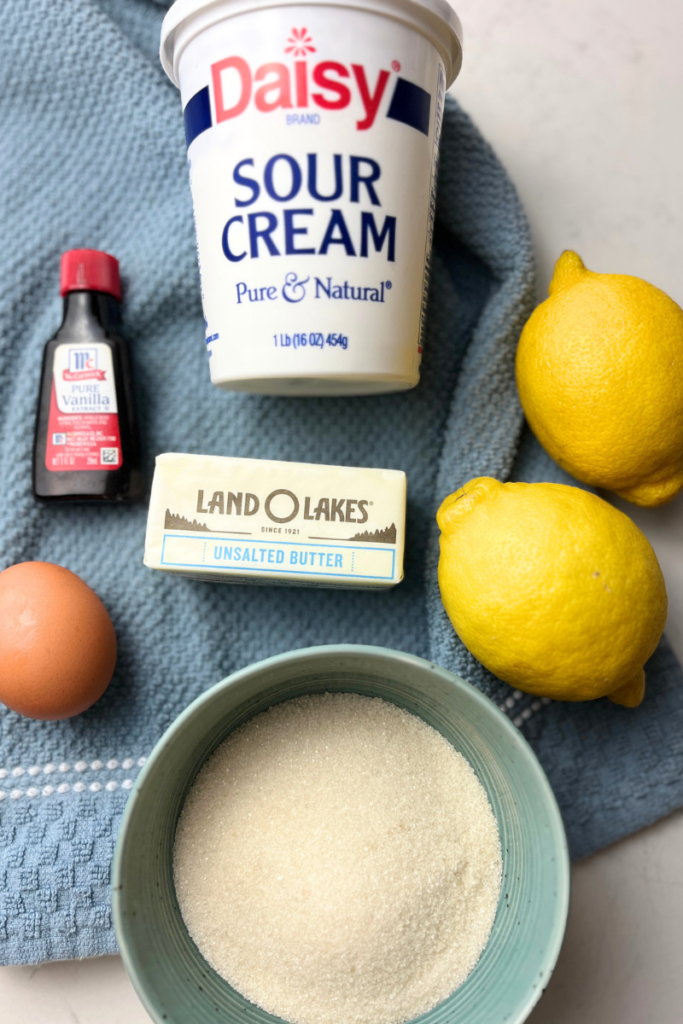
92 155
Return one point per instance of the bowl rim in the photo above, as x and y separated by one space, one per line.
303 654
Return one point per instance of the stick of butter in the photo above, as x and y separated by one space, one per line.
256 521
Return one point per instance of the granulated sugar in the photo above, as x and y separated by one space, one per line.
338 861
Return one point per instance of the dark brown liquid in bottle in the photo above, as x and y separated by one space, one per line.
84 451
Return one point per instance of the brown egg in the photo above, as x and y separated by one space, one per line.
57 642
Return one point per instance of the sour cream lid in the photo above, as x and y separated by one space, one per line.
434 19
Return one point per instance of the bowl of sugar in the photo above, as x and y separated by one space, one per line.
336 835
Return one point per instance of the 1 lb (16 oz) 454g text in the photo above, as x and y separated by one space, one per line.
312 340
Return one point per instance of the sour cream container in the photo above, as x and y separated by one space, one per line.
312 133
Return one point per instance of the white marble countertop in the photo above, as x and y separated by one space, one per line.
581 99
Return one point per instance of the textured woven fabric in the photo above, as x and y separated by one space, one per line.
92 155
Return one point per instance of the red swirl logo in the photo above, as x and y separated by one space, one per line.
299 43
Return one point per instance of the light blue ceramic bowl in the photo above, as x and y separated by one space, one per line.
174 981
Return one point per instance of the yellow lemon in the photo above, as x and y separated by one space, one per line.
551 588
600 378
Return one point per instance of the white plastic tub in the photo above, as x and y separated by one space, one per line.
312 134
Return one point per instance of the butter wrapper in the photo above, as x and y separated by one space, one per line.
258 521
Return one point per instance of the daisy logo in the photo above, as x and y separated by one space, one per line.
301 84
299 43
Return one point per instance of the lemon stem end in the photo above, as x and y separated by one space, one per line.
631 694
569 270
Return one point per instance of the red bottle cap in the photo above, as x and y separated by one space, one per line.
88 270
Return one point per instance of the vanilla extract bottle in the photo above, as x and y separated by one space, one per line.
87 445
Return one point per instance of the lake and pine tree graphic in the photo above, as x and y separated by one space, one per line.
173 521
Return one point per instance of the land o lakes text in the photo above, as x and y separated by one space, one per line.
282 506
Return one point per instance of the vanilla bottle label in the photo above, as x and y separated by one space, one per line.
83 426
